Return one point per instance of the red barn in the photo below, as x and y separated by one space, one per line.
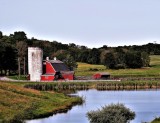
56 70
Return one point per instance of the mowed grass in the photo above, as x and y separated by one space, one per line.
84 69
18 103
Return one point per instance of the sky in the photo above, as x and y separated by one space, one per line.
92 23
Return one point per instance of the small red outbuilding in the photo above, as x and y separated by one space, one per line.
103 76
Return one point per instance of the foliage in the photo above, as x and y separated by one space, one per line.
145 59
70 62
1 34
113 113
109 60
7 58
133 59
19 36
93 56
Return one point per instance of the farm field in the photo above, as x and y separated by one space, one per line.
85 69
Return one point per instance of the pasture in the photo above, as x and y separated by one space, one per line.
85 69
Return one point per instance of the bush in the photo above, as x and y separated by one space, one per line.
113 113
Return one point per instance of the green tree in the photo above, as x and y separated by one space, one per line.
8 57
83 56
133 59
109 60
113 113
1 34
94 56
70 62
19 36
120 60
145 59
60 54
22 53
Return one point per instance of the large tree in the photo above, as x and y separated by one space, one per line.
94 56
133 59
7 58
22 53
1 34
19 36
109 60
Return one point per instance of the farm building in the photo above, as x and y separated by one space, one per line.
47 70
102 75
56 70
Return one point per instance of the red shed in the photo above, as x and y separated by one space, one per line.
56 70
103 75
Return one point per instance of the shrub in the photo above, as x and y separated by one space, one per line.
113 113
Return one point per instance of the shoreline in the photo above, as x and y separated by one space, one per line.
19 103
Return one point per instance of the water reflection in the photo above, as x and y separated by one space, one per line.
144 103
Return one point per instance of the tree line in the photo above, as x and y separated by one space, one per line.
13 53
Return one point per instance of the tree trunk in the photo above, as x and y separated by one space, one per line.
19 68
24 72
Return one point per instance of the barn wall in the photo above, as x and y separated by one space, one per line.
49 68
47 77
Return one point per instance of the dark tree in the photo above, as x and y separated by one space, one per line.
1 34
109 60
94 56
83 56
19 36
8 57
133 59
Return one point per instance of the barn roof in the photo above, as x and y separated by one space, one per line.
60 66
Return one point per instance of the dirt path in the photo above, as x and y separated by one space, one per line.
3 78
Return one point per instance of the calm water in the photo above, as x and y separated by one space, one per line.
144 103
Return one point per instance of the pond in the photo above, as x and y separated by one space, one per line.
145 103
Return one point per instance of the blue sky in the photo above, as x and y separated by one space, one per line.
92 23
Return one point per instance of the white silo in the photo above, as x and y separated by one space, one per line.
35 57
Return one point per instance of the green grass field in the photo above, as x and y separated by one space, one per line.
84 69
18 103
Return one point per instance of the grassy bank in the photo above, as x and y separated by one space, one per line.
18 103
